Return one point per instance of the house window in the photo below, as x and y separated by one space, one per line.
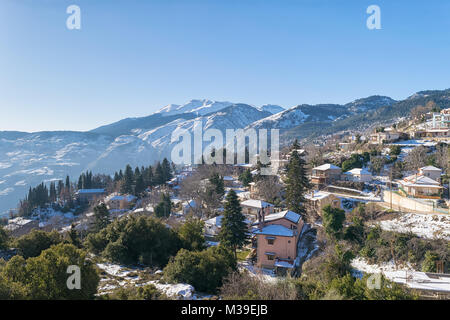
270 256
270 240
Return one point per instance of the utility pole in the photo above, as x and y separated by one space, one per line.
390 184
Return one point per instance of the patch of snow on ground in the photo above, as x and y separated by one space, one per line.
114 269
263 274
405 275
179 290
430 226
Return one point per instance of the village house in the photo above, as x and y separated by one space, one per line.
228 181
358 175
116 201
437 128
317 200
87 195
276 240
325 174
431 172
252 208
188 206
420 186
386 136
213 226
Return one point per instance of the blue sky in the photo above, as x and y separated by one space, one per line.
132 57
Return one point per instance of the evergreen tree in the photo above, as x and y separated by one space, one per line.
164 207
148 176
297 183
167 170
140 185
101 217
234 231
333 220
159 174
80 182
53 196
246 177
60 189
127 181
217 181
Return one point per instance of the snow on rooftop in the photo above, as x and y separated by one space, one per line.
217 221
289 215
256 203
84 191
117 197
419 180
326 166
276 230
358 171
430 168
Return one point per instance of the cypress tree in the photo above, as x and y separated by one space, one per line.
127 181
159 174
234 231
296 183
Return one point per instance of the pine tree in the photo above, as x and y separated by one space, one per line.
167 170
246 177
234 231
297 183
101 217
217 181
52 192
164 207
140 185
159 174
127 181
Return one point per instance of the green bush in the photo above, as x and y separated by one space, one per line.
205 270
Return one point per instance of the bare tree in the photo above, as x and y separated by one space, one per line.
416 158
269 188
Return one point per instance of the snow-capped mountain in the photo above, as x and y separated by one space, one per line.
305 113
370 103
198 107
272 108
27 159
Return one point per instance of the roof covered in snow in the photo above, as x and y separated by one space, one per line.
359 171
419 181
87 191
118 197
217 221
430 168
326 166
289 215
256 203
276 230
